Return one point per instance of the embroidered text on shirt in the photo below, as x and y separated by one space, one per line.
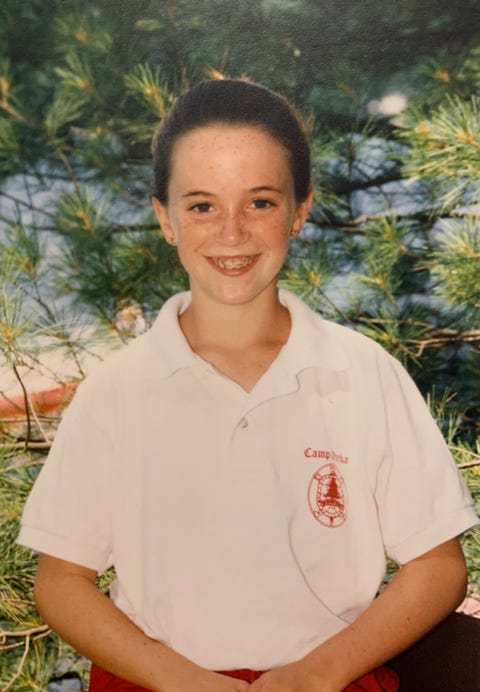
311 453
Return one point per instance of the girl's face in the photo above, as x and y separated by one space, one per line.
231 209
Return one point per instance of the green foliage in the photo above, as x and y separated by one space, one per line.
455 267
29 651
14 325
82 30
8 146
145 83
445 148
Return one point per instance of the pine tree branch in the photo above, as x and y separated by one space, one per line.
28 205
435 336
68 167
30 411
468 464
21 663
422 217
32 631
37 420
27 407
40 631
38 446
442 337
138 228
350 186
9 110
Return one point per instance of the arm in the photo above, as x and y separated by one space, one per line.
422 593
69 601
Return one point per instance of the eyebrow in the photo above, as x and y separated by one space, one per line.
259 188
267 188
198 192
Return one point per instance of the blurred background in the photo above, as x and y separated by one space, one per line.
392 247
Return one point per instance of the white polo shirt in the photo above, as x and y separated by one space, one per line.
246 528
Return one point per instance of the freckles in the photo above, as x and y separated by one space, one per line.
192 233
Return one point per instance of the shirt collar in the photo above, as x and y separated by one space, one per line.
171 349
312 341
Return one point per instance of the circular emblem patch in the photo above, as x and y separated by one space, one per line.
326 496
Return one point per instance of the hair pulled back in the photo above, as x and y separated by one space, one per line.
235 102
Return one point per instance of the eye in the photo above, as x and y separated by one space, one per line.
262 203
201 207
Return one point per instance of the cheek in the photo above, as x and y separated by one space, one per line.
187 239
189 233
190 239
277 234
187 258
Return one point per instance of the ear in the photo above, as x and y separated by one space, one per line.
301 213
163 217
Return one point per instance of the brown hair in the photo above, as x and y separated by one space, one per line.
235 102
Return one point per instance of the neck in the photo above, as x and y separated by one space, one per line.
235 327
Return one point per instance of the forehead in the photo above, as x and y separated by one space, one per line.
224 149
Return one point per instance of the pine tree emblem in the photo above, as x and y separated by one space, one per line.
326 496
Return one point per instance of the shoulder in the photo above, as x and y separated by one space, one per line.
119 366
329 344
158 352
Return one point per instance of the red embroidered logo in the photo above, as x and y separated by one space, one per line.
326 496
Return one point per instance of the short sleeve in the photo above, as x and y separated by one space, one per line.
422 498
67 514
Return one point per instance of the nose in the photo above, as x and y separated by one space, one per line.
232 229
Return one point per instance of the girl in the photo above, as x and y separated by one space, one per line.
245 465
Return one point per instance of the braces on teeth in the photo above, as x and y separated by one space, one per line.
233 263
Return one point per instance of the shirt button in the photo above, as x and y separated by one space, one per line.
243 423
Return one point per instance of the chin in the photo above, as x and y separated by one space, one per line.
236 299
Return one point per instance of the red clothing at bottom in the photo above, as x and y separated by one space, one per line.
380 680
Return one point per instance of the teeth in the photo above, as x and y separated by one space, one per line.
233 262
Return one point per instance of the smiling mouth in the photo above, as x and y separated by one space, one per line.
238 262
